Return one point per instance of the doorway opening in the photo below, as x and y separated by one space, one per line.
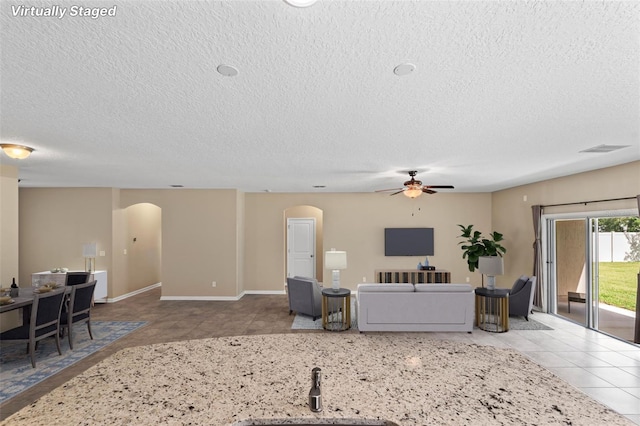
303 242
593 261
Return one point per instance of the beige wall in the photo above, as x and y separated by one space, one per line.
355 223
199 239
512 215
8 224
238 240
55 223
8 237
570 256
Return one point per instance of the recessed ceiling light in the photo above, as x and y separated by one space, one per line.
604 148
404 69
227 70
300 3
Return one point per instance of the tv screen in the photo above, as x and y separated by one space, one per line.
408 241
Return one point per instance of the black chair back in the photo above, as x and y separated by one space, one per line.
74 278
80 302
45 314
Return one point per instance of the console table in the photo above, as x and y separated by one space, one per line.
99 294
413 276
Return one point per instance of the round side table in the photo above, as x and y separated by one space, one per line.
492 309
336 309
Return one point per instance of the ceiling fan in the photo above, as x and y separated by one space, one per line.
414 188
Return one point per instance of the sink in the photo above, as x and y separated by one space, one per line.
315 422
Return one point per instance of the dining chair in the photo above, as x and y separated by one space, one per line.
79 309
74 278
44 322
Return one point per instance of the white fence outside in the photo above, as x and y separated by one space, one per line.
615 246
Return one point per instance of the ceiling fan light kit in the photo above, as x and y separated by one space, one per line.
414 188
413 192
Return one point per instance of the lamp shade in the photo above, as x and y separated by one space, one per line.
335 260
90 250
491 265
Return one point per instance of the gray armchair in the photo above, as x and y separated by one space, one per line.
305 296
521 297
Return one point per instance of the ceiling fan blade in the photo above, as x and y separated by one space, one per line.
428 191
439 186
402 190
392 189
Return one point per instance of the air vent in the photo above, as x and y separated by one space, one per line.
604 148
177 186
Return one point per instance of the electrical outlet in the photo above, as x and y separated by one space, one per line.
467 279
102 253
213 283
364 279
125 251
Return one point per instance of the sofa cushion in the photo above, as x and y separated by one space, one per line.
443 288
386 288
414 309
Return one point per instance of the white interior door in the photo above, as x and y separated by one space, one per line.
301 247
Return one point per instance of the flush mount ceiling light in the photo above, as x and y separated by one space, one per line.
604 148
300 3
227 70
19 152
404 69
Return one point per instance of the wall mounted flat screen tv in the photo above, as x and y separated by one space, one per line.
408 241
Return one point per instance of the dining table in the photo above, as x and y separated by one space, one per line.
25 299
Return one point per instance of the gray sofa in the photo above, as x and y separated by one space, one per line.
415 307
305 296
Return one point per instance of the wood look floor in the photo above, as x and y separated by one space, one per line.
170 321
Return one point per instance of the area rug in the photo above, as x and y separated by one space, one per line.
517 323
16 373
408 379
305 322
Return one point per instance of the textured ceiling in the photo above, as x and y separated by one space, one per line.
504 93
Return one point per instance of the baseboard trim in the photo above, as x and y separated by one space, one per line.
222 298
203 298
133 293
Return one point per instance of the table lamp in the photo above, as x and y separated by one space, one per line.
491 266
335 260
89 252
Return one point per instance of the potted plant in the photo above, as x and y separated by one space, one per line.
476 246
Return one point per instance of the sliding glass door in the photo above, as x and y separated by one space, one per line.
592 262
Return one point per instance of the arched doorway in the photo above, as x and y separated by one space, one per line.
142 247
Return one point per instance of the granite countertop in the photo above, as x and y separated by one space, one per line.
409 379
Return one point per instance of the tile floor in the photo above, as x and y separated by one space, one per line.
603 367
